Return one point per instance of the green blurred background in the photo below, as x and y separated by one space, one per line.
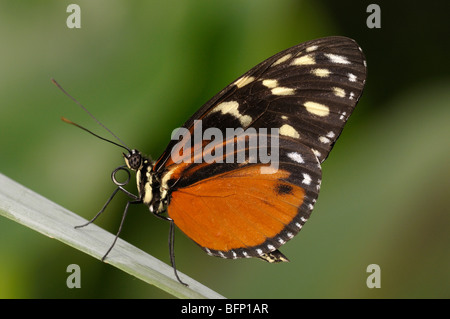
143 67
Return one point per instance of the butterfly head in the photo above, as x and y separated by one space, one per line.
133 160
147 181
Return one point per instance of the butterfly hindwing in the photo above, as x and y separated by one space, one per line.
245 211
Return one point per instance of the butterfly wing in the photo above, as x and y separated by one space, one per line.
242 209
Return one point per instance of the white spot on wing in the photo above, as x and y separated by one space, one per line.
317 108
339 92
270 83
296 157
337 58
331 134
231 108
244 81
306 179
311 48
288 130
324 139
277 90
351 77
282 91
304 60
322 73
282 59
316 152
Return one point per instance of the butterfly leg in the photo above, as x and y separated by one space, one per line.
107 203
172 245
121 224
136 200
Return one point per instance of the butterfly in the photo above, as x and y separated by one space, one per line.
242 175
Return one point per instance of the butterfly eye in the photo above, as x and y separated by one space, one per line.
133 160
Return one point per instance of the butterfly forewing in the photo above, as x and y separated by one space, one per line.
311 88
236 209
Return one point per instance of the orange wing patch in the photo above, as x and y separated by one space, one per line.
238 209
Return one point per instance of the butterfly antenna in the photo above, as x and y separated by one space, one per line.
85 129
122 144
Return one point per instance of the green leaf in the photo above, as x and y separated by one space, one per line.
38 213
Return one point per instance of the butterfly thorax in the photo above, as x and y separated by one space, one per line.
147 181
